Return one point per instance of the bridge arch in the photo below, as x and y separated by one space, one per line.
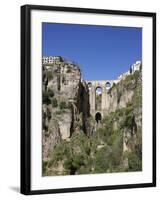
98 98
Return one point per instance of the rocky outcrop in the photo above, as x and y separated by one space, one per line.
65 103
118 98
127 97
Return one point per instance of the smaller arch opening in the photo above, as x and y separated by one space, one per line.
108 85
98 117
98 90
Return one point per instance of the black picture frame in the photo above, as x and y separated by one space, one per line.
26 98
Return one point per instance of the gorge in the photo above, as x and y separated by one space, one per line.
90 126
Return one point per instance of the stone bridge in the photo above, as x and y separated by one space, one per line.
98 90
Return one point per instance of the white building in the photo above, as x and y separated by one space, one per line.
52 60
136 66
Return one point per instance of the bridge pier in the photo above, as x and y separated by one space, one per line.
104 85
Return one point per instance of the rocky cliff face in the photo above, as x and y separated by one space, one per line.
125 101
65 104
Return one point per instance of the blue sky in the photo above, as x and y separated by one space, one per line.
102 52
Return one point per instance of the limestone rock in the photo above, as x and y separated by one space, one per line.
65 103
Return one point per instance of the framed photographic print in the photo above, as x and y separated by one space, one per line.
88 99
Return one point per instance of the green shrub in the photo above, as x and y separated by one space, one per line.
50 93
70 105
127 117
73 163
45 128
45 98
49 75
60 151
44 167
54 102
63 105
137 97
101 160
119 94
104 133
134 162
